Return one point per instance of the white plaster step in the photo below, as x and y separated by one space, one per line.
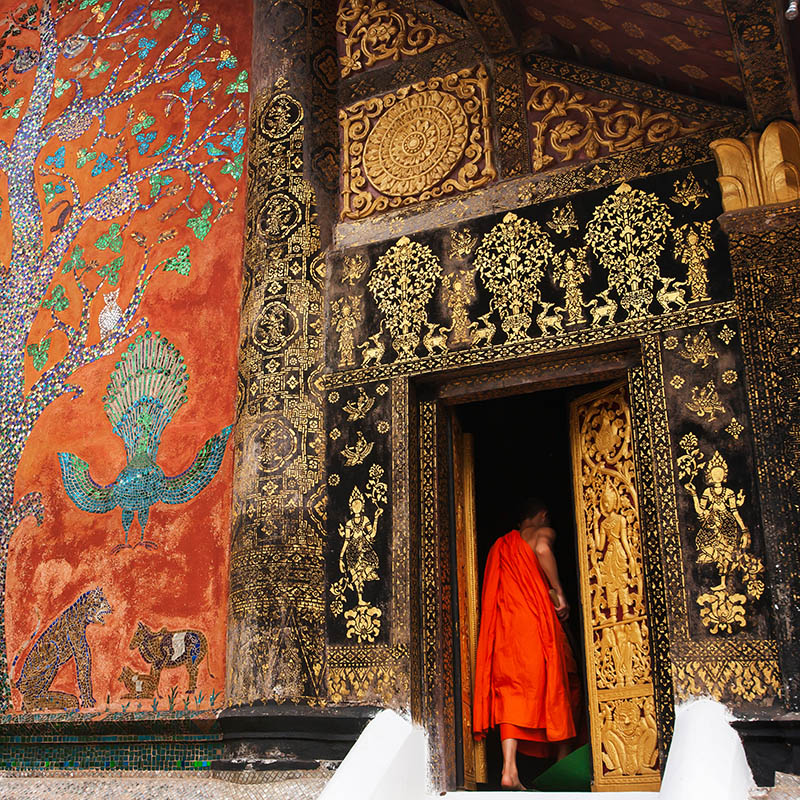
550 795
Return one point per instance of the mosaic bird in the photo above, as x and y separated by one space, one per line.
147 387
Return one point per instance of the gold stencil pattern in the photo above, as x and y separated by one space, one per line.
419 142
628 232
571 126
374 31
511 261
402 284
621 694
722 539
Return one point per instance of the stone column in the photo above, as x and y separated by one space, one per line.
276 623
760 182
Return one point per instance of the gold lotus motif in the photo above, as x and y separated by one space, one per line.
416 143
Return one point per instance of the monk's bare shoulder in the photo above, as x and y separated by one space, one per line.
546 534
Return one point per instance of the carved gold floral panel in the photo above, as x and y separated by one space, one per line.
372 31
423 141
569 123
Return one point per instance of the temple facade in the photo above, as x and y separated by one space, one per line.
297 298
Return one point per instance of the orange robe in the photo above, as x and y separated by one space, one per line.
526 679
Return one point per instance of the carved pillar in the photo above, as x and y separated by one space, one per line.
276 628
760 181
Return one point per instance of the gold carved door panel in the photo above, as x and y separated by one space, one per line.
474 753
622 721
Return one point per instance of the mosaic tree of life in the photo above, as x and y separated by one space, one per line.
121 123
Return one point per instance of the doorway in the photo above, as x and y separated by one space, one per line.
574 448
521 448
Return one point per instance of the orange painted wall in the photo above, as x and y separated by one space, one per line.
183 583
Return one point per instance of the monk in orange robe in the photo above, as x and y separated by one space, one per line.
526 678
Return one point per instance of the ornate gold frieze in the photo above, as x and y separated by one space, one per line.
728 679
423 141
567 125
760 169
375 30
628 231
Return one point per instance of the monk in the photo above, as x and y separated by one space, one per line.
526 678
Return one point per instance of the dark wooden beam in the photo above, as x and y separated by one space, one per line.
764 57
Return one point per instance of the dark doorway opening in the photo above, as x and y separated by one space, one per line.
522 448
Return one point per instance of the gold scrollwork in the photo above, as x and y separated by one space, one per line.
628 232
728 679
419 142
373 31
606 126
402 283
511 260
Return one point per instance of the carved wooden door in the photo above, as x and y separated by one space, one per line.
474 753
623 731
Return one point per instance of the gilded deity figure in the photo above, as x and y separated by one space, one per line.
357 558
722 533
346 319
617 562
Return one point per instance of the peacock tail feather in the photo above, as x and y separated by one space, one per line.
146 388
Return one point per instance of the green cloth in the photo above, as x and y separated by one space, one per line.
571 774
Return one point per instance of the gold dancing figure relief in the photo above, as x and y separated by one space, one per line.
693 246
705 401
358 560
459 292
570 270
697 348
723 540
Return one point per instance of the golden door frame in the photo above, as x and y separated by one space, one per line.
439 645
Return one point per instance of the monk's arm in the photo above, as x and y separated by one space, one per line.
547 561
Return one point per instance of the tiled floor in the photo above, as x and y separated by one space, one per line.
305 785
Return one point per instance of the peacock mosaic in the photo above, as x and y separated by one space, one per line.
123 143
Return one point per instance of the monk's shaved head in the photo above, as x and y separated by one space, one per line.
529 508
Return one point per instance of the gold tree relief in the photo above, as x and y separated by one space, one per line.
628 232
693 247
511 260
722 540
402 283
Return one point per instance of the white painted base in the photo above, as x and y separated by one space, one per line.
706 762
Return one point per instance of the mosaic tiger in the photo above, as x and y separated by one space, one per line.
61 642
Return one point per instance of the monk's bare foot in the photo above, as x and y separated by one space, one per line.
511 782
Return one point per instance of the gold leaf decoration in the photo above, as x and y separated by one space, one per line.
425 140
373 31
511 260
402 284
603 127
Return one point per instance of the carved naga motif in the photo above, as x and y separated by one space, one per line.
624 732
373 31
